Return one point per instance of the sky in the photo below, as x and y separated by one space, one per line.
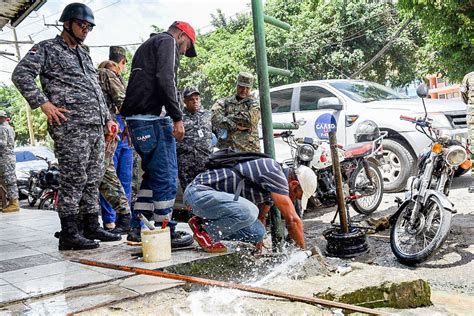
117 22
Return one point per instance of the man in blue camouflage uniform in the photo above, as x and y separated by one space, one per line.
235 118
72 100
7 163
194 150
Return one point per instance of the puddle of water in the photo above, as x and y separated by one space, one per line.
220 301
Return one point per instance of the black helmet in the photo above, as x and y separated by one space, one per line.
367 131
77 11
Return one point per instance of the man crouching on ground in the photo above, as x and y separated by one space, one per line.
220 214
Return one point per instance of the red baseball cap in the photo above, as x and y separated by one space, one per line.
189 31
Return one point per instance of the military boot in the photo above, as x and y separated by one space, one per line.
134 234
92 229
69 237
13 206
122 224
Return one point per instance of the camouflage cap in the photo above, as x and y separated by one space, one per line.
3 113
190 91
245 79
117 52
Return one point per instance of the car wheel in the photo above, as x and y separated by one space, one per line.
397 165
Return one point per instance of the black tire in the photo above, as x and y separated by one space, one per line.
31 200
47 203
399 228
398 165
367 205
460 171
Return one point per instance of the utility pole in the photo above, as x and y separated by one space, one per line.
383 50
28 109
263 70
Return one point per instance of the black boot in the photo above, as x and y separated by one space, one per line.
134 235
92 229
69 237
181 239
122 224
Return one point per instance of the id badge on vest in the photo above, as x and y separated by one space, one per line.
200 133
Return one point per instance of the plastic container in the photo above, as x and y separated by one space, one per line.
156 245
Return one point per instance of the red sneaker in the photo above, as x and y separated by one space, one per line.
203 238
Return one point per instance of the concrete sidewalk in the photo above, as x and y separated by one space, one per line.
36 277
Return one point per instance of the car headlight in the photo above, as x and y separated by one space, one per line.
438 120
305 152
455 155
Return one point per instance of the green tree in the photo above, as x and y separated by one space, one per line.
448 27
13 102
328 40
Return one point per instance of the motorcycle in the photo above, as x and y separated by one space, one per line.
35 186
423 220
362 178
49 182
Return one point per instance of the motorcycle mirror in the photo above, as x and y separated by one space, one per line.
422 91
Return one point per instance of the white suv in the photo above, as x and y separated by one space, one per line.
353 101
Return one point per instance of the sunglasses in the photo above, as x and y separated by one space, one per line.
84 25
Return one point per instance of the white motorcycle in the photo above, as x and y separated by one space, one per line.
362 178
422 222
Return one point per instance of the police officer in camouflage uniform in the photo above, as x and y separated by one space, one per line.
113 197
72 100
467 93
194 150
235 119
7 163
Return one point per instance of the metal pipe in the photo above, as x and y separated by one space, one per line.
241 287
275 22
341 206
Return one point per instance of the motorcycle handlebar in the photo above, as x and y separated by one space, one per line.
283 134
407 118
419 122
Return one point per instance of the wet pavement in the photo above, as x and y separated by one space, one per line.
35 278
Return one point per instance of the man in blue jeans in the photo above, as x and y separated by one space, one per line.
227 208
152 89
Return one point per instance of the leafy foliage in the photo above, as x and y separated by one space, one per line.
449 32
13 102
328 40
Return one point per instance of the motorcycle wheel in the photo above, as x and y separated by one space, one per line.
47 203
31 200
412 245
366 204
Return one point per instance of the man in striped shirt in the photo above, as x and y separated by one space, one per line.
227 209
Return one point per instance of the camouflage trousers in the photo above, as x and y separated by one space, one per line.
111 188
80 153
189 166
7 173
470 130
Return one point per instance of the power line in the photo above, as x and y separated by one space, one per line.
97 46
382 51
56 13
13 60
339 27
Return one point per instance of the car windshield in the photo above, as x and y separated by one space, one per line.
363 91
